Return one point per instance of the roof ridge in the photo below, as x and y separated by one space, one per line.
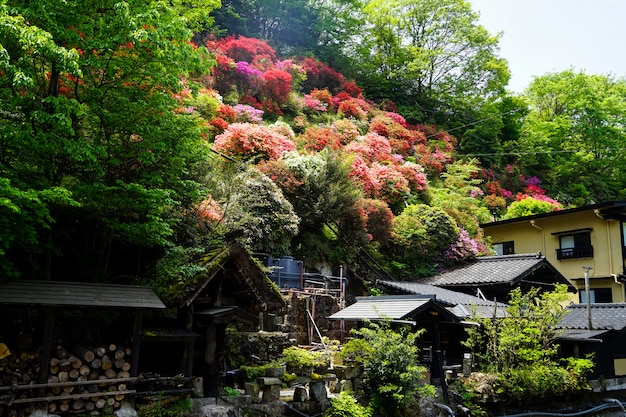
536 255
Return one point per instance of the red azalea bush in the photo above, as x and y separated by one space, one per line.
361 175
323 95
276 86
252 140
281 175
377 218
414 173
222 74
351 88
320 76
241 48
354 107
316 138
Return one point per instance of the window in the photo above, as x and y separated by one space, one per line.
577 245
504 248
597 295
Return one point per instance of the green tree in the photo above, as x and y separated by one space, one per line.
429 54
258 209
89 133
573 136
528 207
521 348
325 200
420 235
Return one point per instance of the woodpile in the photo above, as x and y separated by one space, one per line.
79 379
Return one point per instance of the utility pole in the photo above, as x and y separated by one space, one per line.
588 296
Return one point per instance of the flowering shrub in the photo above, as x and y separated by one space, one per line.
209 210
252 140
246 77
361 174
415 175
241 48
398 118
313 104
320 75
323 95
318 138
251 101
377 219
285 178
298 74
392 126
354 107
463 249
495 203
276 86
346 130
248 114
392 185
378 146
351 88
227 113
433 162
222 74
283 128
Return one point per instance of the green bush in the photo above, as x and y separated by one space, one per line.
251 373
392 375
296 357
345 405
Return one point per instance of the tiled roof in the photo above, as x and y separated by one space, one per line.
491 270
604 316
471 304
394 307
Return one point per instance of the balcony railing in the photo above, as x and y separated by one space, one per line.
573 253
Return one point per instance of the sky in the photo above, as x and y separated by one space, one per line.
546 36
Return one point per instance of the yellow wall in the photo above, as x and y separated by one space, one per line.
620 366
605 238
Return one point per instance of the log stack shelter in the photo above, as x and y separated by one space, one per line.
38 342
80 347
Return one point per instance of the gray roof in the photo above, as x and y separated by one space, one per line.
394 307
78 294
581 335
492 270
470 303
604 316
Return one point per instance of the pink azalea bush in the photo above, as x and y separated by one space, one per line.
250 140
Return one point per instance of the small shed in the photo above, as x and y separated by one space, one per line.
494 277
440 346
233 289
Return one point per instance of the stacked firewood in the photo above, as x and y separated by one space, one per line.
79 379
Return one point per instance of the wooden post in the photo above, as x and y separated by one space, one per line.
47 344
134 363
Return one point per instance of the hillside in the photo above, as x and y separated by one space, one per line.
129 152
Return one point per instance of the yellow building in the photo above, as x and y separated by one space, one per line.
582 241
